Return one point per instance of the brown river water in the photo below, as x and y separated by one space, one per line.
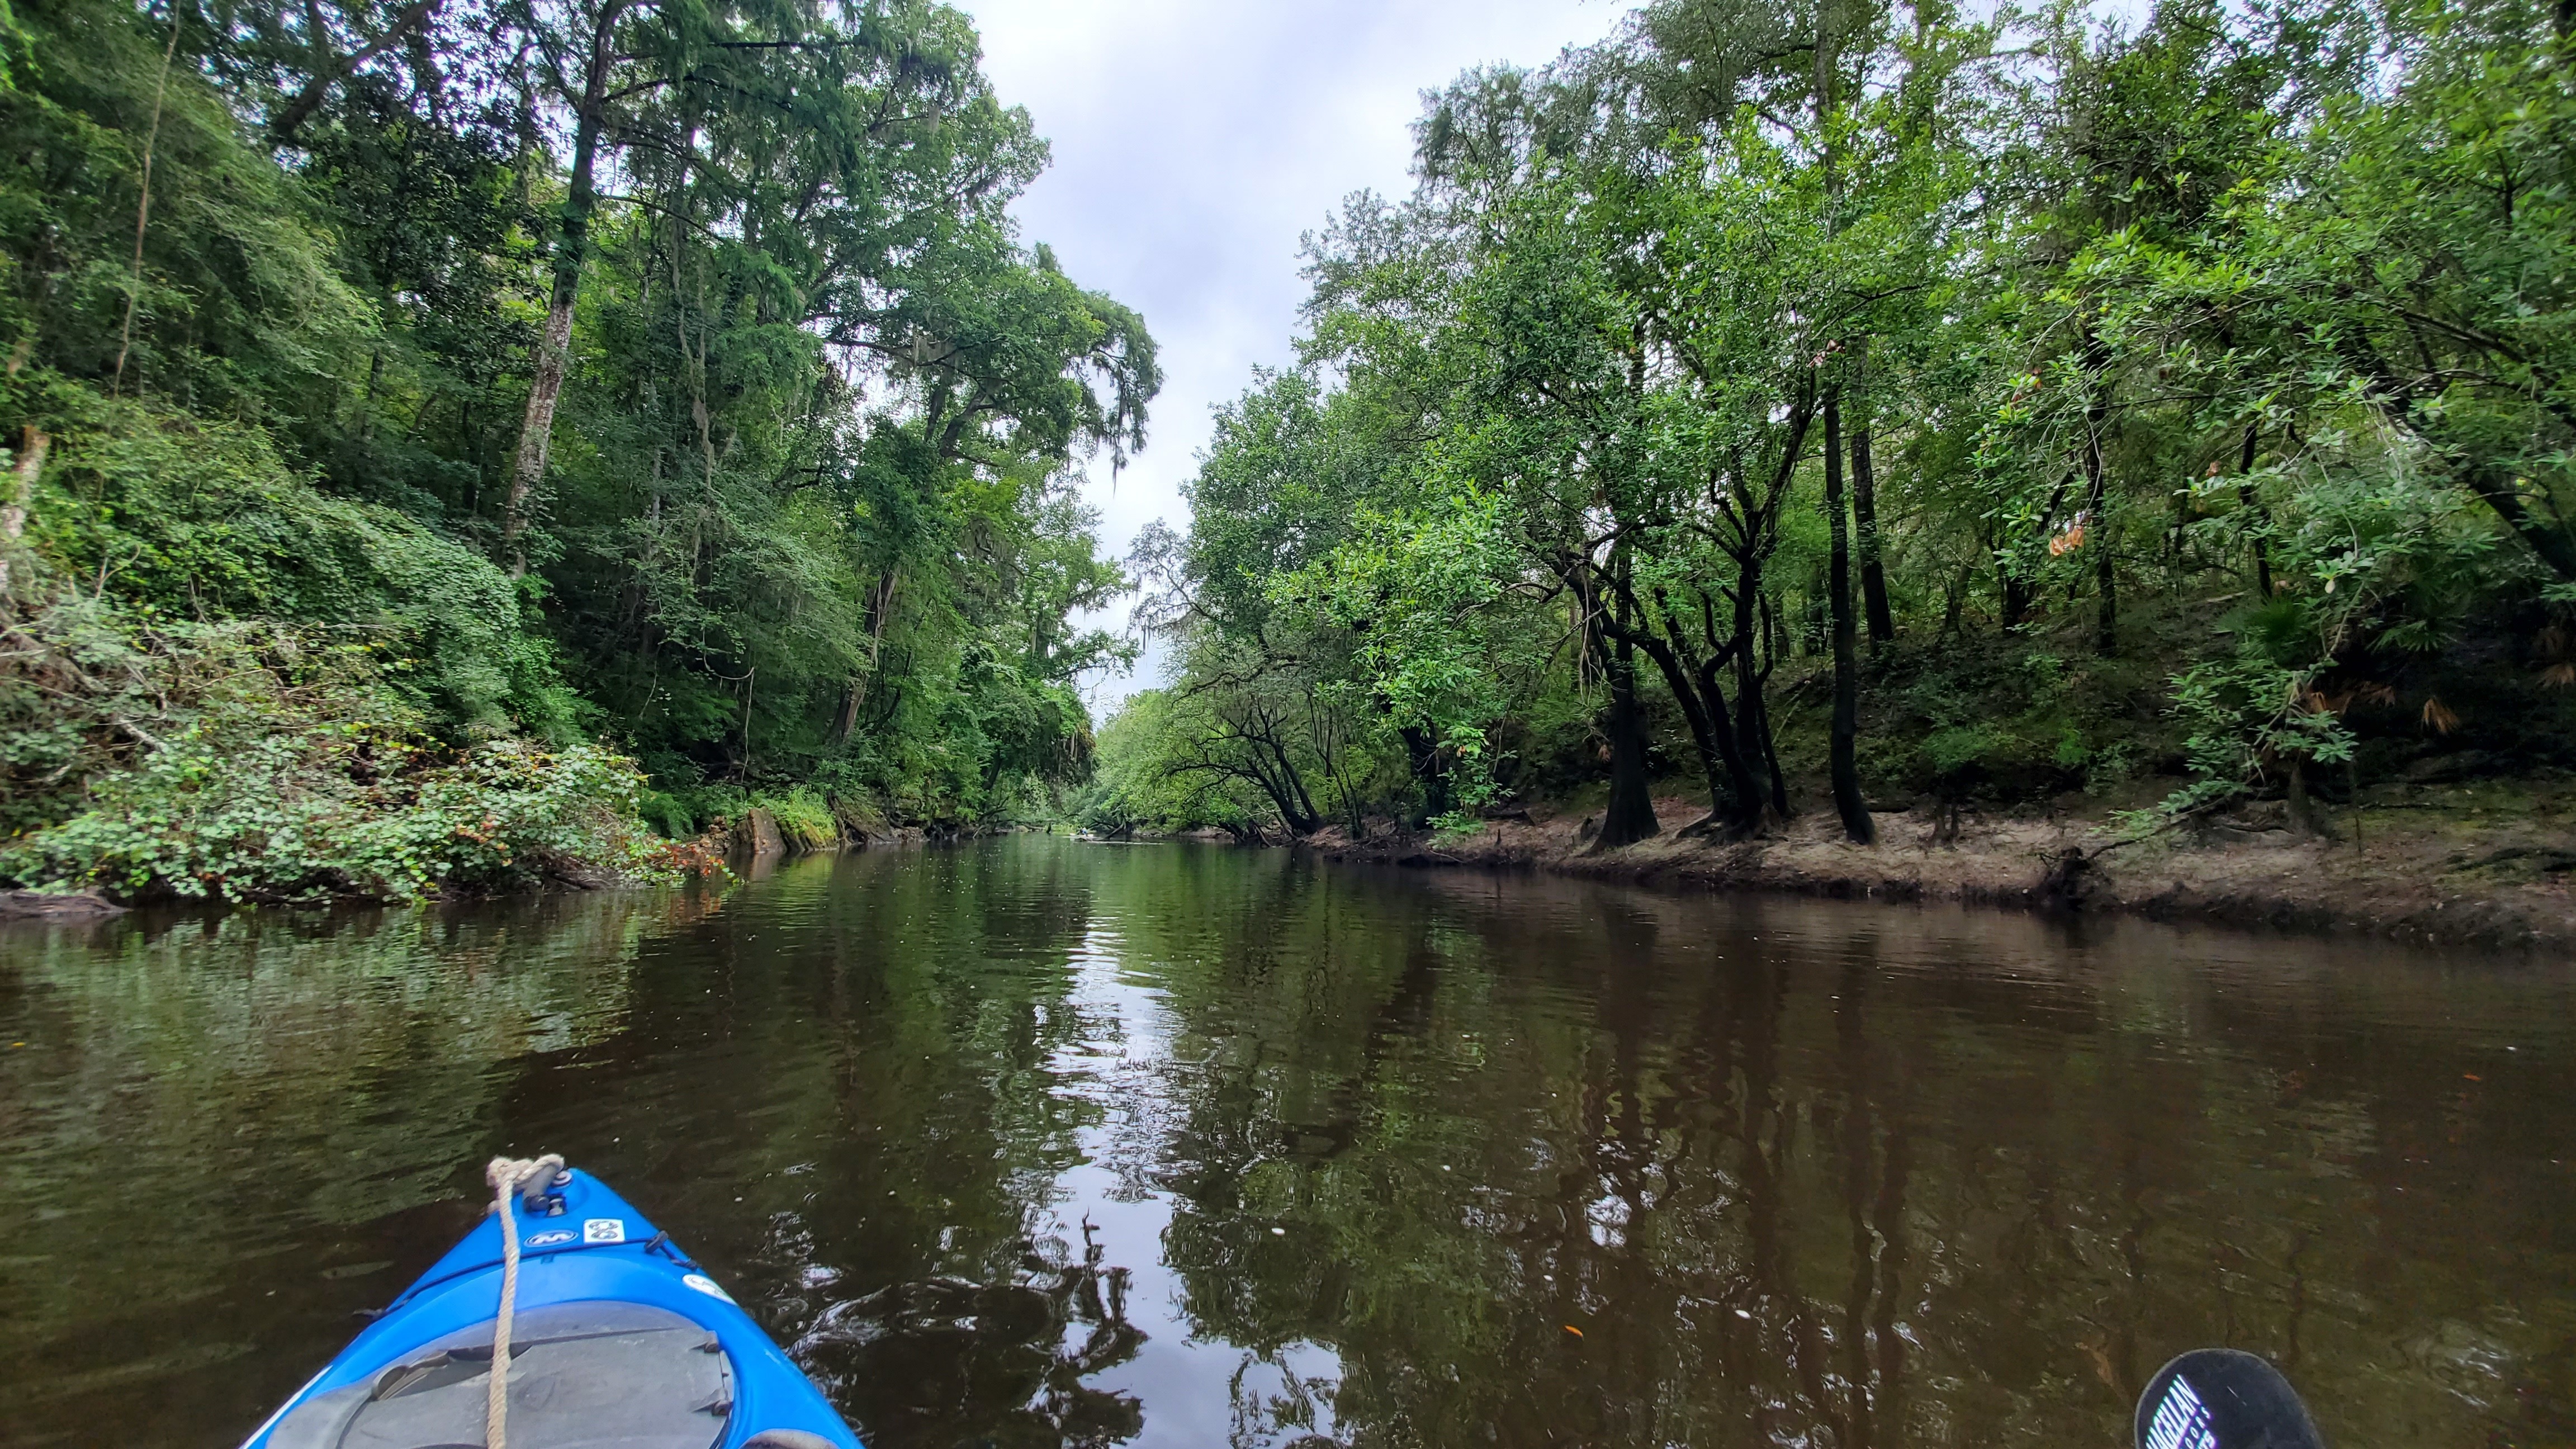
1033 1142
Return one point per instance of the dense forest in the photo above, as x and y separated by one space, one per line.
1806 406
458 441
454 441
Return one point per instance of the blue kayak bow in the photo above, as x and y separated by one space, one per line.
614 1338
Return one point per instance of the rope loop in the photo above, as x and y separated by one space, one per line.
510 1177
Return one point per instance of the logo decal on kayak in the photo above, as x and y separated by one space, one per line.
2181 1421
603 1230
706 1285
553 1238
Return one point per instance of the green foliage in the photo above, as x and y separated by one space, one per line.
334 810
804 818
262 762
808 531
1408 585
185 518
2248 717
1948 751
1137 787
2387 565
2226 352
239 300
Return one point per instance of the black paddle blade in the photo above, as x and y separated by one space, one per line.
2218 1398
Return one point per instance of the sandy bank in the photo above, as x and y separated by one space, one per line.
2492 867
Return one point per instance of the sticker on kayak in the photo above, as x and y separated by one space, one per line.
603 1230
706 1285
2181 1421
552 1238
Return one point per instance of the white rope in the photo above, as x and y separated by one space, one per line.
510 1177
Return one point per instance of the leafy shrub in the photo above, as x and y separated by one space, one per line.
804 818
666 813
334 809
188 518
252 760
2248 715
1948 751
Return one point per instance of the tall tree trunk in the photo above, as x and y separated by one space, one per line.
1278 778
1750 627
1755 635
2262 516
33 444
853 694
1631 813
554 343
1750 814
879 608
1422 758
1845 736
1295 804
1731 786
2015 607
1677 681
1864 481
143 206
1753 627
2097 505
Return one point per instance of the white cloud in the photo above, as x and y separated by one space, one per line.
1195 142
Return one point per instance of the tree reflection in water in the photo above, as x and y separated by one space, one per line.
957 1349
1026 1144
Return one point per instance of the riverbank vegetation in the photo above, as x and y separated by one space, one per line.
1817 407
448 437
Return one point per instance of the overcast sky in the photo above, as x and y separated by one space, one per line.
1195 140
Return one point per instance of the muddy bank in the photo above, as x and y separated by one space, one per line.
2492 867
57 906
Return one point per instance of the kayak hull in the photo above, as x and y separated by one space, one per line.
598 1270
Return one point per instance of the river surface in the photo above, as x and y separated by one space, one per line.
1035 1143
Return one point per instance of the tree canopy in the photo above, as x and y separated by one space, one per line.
668 375
1913 402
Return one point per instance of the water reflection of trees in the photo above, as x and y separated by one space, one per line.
881 1076
836 1086
1790 1182
989 1363
223 1133
1786 1192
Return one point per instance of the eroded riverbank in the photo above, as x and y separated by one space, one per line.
2492 867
